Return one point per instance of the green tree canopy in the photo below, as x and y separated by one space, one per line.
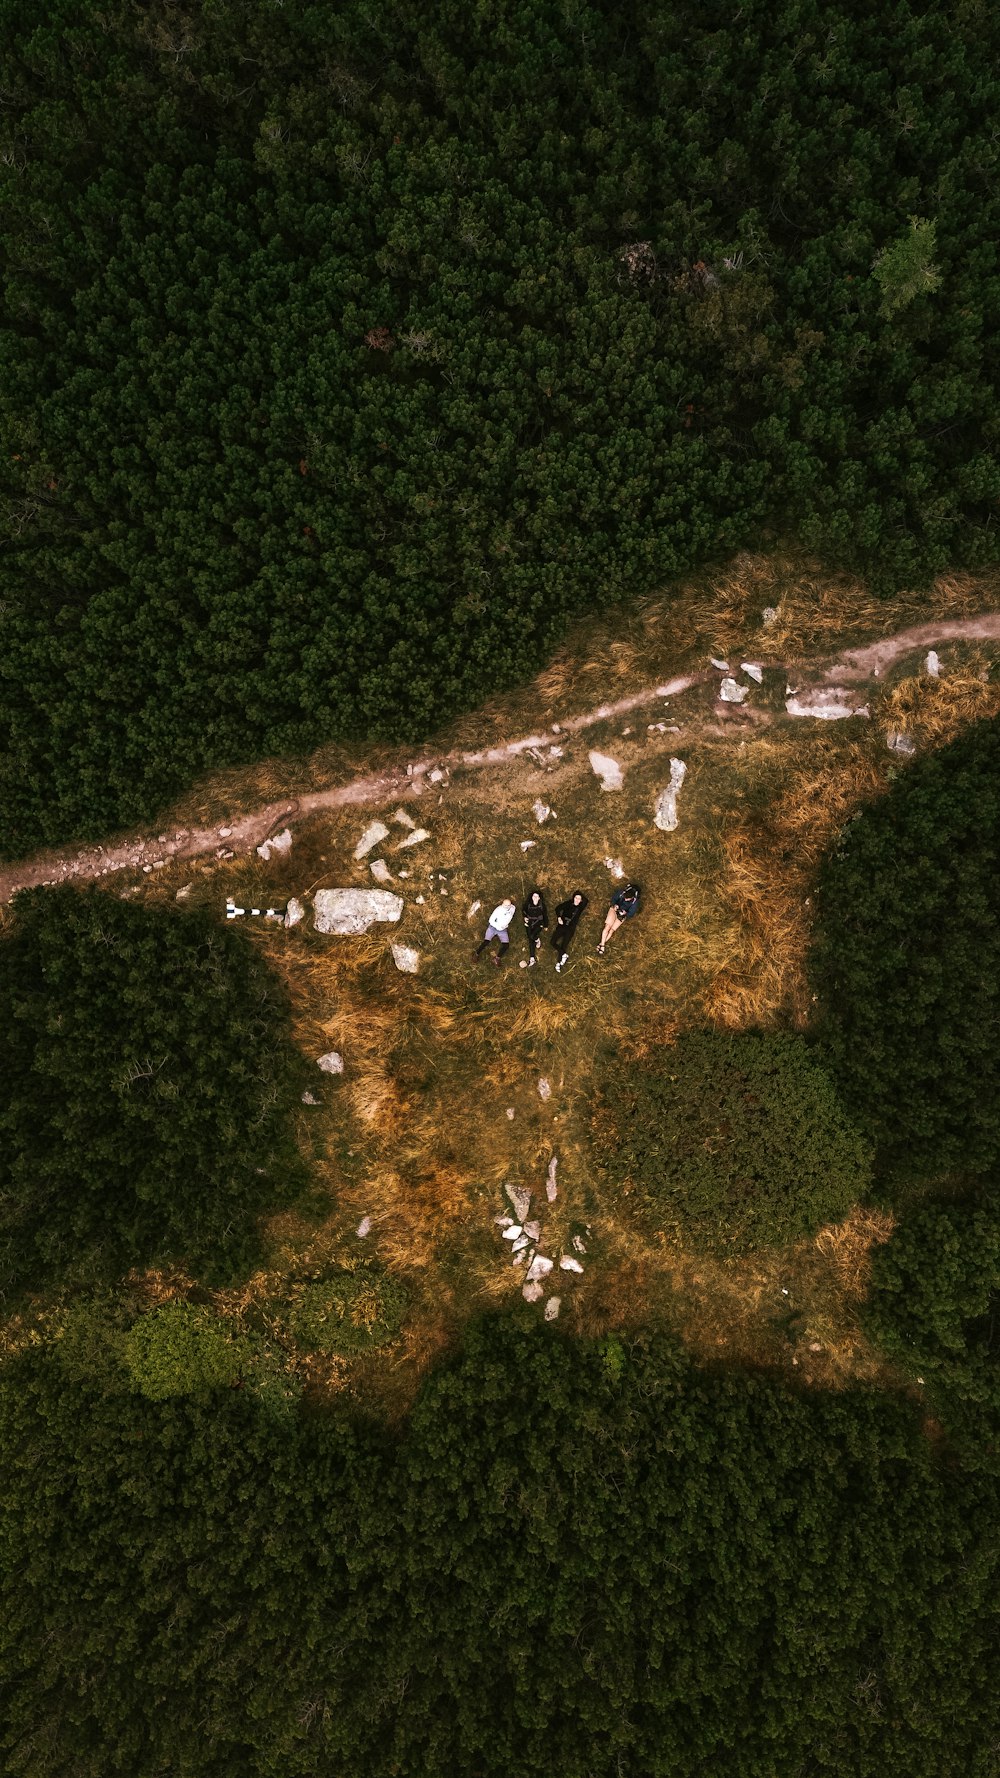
906 962
147 1079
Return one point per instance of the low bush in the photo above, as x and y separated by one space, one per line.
906 963
147 1078
350 1311
739 1140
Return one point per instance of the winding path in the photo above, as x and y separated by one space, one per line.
853 666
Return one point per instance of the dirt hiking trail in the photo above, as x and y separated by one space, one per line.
854 666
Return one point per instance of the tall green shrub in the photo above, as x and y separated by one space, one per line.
906 962
147 1078
739 1140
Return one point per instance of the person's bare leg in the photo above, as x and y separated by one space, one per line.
611 926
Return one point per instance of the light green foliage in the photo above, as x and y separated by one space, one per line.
737 1139
349 1312
649 1568
347 359
147 1080
906 269
180 1350
906 962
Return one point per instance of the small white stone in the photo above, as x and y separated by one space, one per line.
420 901
540 1267
503 1222
514 1232
224 833
732 693
373 835
416 838
542 811
406 959
569 1264
932 666
280 844
380 871
723 666
403 873
615 866
403 818
309 1099
533 1230
551 1190
510 1111
364 1227
769 617
526 845
552 1309
607 769
182 894
146 869
532 1292
899 743
555 753
752 671
578 1244
520 1197
331 1063
436 776
544 1088
473 911
294 912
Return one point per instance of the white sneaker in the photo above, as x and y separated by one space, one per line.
531 963
558 967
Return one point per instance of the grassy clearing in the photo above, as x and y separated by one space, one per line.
417 1134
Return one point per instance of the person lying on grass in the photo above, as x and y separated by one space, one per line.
536 921
500 920
624 906
567 915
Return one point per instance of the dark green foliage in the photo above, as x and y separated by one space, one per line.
349 352
146 1082
645 1568
349 1312
907 962
737 1139
934 1305
180 1350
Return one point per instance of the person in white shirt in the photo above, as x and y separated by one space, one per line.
500 920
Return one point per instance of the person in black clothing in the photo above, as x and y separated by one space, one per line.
536 920
567 914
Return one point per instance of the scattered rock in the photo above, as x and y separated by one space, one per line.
403 818
532 1292
578 1244
520 1197
828 705
551 1190
373 836
552 1309
533 1230
364 1228
542 811
932 666
526 845
607 769
416 838
473 911
406 959
518 1259
752 671
224 833
331 1063
665 815
656 728
769 616
544 1088
569 1264
402 873
513 1232
503 1222
420 901
732 693
148 867
615 866
510 1111
350 911
898 743
723 666
280 844
555 753
540 1267
380 871
520 1244
309 1099
815 1346
436 776
182 894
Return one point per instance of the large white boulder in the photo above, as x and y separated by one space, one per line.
665 816
828 704
607 769
280 844
350 911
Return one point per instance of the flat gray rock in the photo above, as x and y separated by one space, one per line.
665 815
294 912
416 838
733 693
406 959
752 671
540 1267
532 1292
373 836
828 705
569 1264
331 1063
552 1309
520 1197
607 769
898 743
932 666
350 911
380 870
280 844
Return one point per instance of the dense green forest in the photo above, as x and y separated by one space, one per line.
581 1559
349 352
